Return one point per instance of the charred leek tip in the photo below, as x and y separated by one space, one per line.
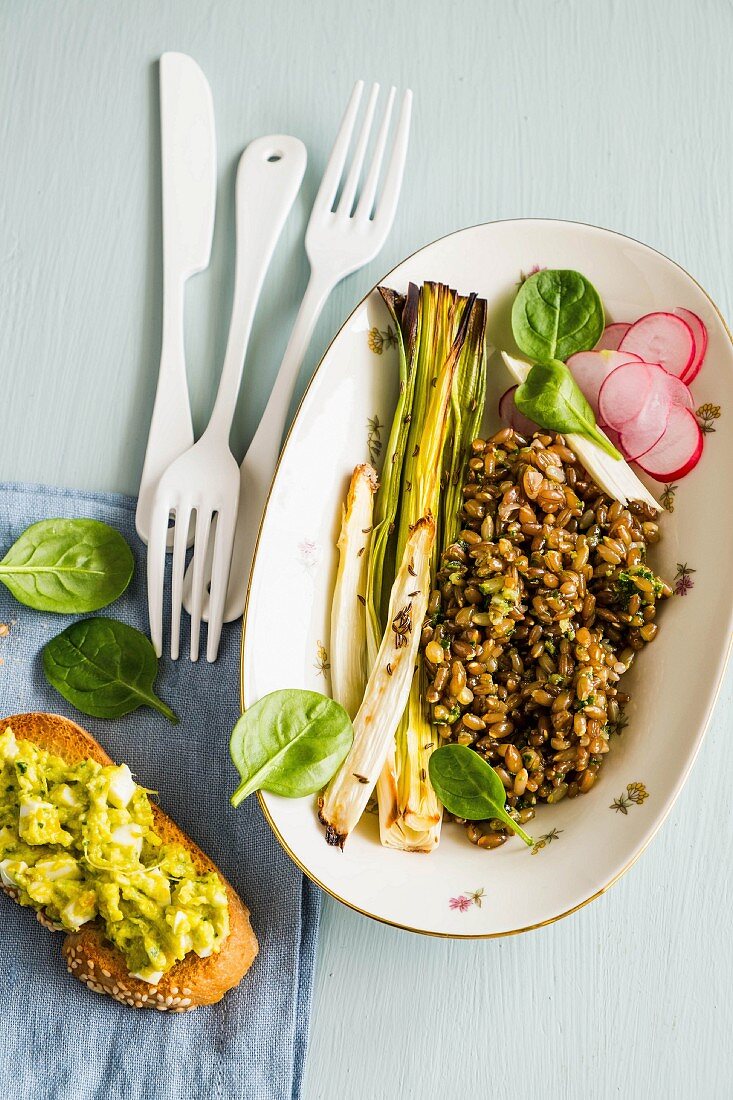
387 689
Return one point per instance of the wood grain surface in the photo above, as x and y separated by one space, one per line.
612 112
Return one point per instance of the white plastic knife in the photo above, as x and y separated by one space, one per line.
188 152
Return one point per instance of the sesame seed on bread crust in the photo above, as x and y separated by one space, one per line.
90 957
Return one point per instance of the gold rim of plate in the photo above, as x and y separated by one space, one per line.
242 700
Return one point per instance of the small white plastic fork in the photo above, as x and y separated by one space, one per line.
205 479
342 236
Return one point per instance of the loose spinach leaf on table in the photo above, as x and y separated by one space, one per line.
71 566
555 314
469 787
553 399
290 743
104 668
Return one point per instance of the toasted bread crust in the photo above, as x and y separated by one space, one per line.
90 957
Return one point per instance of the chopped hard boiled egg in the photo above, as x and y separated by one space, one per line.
121 786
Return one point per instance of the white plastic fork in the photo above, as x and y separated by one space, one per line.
205 479
339 240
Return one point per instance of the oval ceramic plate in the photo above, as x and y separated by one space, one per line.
582 846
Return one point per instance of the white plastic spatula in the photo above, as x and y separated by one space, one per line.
188 152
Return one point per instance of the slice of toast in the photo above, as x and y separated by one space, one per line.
90 957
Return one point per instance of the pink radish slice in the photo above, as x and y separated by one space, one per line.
625 392
679 449
700 335
649 425
638 398
510 415
676 390
662 338
591 368
612 336
645 431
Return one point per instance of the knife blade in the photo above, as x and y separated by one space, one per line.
188 158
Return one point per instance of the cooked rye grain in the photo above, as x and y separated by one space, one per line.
539 608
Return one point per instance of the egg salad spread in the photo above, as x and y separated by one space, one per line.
78 842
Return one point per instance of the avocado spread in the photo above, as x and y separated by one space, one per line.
78 842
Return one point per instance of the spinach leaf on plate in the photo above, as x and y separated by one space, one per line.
553 399
70 566
104 668
290 743
555 314
469 787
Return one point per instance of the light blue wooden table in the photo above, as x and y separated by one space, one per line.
616 113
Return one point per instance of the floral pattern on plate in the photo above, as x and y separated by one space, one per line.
309 554
667 496
465 901
545 839
379 339
635 794
707 414
322 665
374 438
683 582
524 275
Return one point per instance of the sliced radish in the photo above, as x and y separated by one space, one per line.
679 449
591 368
624 393
645 430
612 336
676 389
700 335
662 338
513 418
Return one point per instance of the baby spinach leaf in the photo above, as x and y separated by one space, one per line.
553 399
70 566
469 787
555 314
290 743
104 668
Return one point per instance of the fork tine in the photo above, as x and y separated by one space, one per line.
366 199
200 572
334 168
156 571
221 561
387 205
180 541
348 194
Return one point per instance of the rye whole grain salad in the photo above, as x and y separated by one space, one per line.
493 588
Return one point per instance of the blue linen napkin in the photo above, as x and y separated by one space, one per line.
63 1042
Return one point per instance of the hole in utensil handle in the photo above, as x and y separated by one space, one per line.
274 158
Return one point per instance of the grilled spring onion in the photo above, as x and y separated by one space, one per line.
613 475
409 812
416 826
447 403
387 688
349 668
406 315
